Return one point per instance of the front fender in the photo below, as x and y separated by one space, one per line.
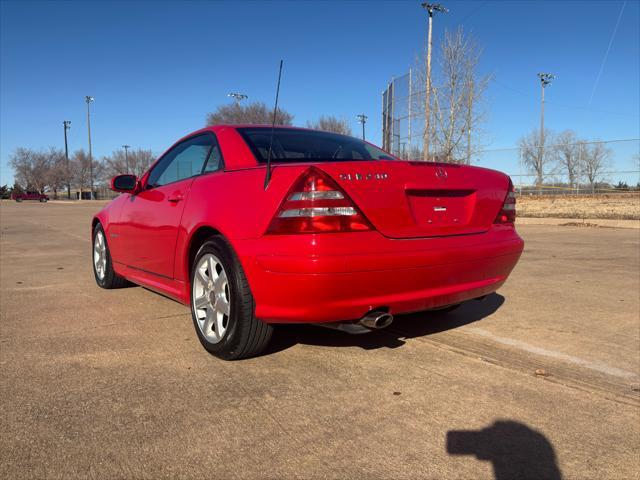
108 217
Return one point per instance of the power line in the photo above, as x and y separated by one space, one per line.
557 174
474 11
595 110
508 87
562 144
606 55
564 105
591 142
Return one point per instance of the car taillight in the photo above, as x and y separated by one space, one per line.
507 213
316 204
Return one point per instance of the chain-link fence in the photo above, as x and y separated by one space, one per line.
403 123
609 166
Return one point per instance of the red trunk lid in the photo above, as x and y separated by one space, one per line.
422 199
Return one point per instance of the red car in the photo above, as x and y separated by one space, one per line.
342 233
19 197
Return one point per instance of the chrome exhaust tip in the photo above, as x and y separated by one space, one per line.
376 320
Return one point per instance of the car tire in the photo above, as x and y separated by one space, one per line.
18 200
103 271
43 200
225 324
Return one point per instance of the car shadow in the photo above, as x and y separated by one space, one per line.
404 326
514 449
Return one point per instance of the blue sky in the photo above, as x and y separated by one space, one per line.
156 68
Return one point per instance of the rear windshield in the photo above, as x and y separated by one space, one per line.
293 145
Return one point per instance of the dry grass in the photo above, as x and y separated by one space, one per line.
614 206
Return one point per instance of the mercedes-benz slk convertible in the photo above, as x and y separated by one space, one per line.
341 233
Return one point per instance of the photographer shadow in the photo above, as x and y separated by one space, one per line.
515 450
404 327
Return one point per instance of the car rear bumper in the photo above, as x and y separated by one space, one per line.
346 275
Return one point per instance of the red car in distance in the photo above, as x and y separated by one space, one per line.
343 234
40 197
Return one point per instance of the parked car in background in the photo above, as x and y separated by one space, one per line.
343 234
19 197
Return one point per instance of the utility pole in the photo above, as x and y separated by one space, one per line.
238 97
410 97
362 118
545 79
67 126
89 99
431 8
126 155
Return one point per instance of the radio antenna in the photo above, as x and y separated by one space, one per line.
267 177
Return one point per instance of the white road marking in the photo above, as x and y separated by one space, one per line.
597 366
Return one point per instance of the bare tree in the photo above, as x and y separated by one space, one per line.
531 157
29 168
596 158
413 152
457 98
136 163
329 123
475 88
80 167
57 172
569 152
39 170
251 113
140 160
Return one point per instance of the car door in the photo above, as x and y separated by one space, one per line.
150 220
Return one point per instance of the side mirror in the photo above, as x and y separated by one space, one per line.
124 183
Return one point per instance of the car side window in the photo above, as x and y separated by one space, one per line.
215 158
183 161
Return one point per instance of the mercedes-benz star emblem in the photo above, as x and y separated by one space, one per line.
441 173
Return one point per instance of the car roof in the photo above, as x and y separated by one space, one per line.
218 127
229 136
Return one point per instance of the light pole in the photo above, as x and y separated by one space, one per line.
362 118
431 8
545 79
67 126
126 155
238 97
89 99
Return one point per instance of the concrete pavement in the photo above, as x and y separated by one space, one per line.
114 384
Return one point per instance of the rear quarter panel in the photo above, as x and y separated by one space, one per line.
235 203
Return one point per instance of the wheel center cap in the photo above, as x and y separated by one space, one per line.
213 299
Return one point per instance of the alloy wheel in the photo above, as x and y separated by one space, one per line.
211 298
100 255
